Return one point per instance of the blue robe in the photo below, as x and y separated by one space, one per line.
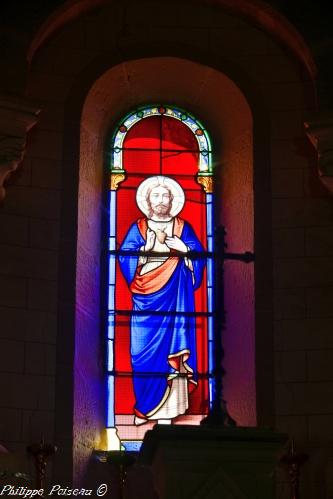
157 339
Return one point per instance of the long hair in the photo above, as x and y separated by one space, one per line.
157 184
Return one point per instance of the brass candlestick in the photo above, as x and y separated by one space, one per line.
293 462
41 453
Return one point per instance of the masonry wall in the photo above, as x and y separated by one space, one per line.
294 242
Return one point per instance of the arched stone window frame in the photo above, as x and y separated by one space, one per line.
227 114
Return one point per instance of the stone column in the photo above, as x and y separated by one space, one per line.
201 462
320 132
17 116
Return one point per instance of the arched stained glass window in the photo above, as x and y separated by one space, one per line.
160 275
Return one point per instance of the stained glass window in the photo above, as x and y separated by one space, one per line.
160 275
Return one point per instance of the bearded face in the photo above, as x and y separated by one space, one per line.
160 202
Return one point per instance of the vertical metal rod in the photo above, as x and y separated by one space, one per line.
218 415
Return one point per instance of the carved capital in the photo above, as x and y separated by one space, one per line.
17 116
206 183
115 180
320 132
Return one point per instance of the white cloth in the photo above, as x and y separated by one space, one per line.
153 262
176 403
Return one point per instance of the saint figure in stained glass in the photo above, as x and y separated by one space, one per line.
162 282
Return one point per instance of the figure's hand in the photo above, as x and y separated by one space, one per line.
176 244
150 241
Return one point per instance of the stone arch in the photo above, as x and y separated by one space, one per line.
228 116
256 11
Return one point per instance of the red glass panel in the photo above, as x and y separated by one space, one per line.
145 134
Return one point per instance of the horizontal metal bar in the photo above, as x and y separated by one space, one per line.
246 257
189 254
128 374
162 313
